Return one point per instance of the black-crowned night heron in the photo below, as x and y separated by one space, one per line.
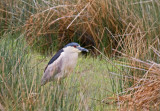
62 63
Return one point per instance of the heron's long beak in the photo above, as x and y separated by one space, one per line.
82 49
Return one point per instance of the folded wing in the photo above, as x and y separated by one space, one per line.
53 68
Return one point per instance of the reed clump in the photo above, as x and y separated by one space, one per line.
144 92
105 24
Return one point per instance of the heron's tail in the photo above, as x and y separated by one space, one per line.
43 82
46 78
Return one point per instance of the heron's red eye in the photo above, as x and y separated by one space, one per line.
74 46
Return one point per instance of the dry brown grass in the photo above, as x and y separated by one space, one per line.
144 94
105 24
65 21
96 23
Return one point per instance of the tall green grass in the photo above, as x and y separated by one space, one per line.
14 59
20 75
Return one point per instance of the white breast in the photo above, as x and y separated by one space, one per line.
69 59
70 62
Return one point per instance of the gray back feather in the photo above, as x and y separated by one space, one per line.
51 70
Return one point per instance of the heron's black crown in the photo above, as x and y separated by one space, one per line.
72 44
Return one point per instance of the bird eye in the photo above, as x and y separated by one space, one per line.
75 46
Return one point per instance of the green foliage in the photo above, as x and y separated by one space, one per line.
14 56
20 75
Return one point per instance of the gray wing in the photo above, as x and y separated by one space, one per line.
51 70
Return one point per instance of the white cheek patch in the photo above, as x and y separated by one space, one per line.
77 50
